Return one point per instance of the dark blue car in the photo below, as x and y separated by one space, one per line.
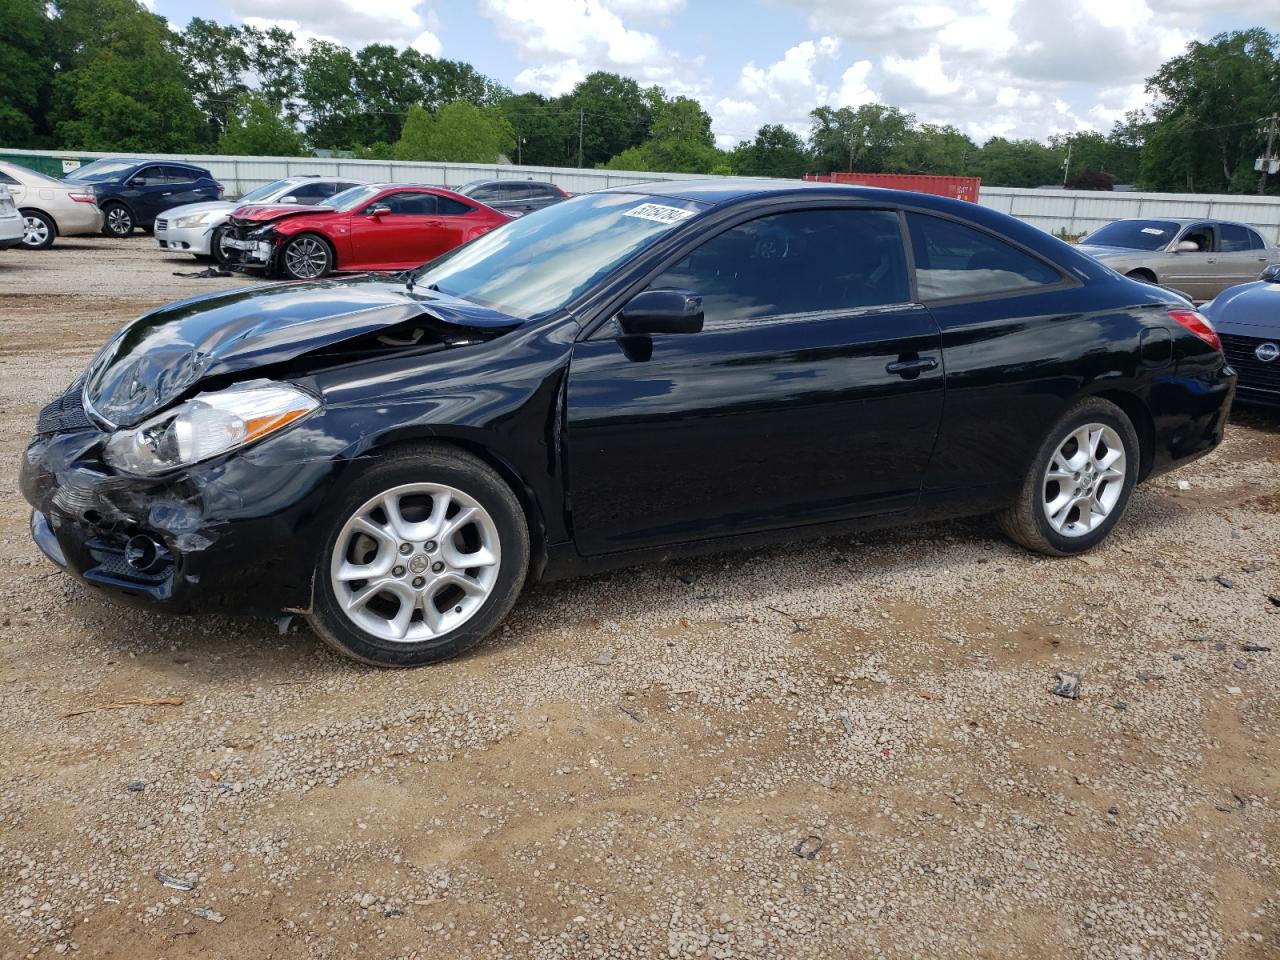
1247 318
132 193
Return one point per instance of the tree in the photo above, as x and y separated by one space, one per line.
934 149
614 112
1091 180
681 141
775 152
217 59
1018 163
543 130
863 139
1092 151
277 63
256 128
444 81
460 132
1204 132
121 87
386 81
327 87
27 59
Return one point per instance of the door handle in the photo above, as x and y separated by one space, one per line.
907 366
1211 260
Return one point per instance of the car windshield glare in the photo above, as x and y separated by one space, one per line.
350 199
1134 234
536 265
101 170
267 192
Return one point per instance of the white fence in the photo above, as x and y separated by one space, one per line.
1071 211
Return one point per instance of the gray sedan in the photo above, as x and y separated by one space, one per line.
1198 257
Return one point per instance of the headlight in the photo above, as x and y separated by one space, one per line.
208 425
192 221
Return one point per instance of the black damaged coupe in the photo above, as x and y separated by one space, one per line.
629 375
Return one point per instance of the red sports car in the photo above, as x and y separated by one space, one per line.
370 227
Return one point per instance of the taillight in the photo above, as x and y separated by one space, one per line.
1198 324
83 197
562 193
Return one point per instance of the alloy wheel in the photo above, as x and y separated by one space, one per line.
1084 479
35 232
415 562
119 221
306 258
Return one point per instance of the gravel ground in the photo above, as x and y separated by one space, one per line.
846 748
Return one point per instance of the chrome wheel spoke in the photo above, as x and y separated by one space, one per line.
1082 487
415 565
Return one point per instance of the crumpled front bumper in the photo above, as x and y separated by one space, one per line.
239 534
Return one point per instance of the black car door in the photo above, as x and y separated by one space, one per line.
812 393
145 191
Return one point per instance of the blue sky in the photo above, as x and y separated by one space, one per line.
1018 68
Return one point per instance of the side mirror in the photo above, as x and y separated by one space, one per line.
289 199
662 311
1271 273
1187 246
378 210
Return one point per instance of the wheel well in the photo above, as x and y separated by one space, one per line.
510 476
1142 273
44 213
1143 423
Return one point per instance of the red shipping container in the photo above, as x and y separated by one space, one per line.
959 188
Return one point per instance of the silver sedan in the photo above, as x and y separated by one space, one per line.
198 228
1200 258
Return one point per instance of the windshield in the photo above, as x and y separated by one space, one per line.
1135 234
267 192
350 199
534 266
101 170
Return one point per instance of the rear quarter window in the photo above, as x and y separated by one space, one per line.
955 260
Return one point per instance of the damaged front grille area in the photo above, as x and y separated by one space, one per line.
66 413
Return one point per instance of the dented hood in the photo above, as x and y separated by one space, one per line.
266 212
162 355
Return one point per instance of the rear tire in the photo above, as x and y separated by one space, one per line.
427 554
117 220
1076 489
38 230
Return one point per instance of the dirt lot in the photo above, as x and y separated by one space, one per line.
838 749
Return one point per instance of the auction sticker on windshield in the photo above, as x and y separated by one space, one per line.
1155 232
659 213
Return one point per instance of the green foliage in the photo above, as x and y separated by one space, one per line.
256 128
123 87
26 62
460 132
775 152
217 60
1204 132
620 115
1018 163
864 139
933 149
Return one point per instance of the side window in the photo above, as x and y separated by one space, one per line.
311 192
450 207
179 175
1202 236
5 178
954 260
1234 238
486 193
148 177
411 204
1255 240
801 262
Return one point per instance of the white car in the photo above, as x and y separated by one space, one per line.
50 208
11 230
198 228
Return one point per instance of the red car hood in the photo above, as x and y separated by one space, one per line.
264 212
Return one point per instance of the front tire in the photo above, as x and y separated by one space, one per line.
426 556
306 257
38 231
1079 483
117 220
215 246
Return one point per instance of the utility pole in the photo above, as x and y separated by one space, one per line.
580 116
1066 166
1268 162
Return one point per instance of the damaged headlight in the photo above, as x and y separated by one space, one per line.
208 425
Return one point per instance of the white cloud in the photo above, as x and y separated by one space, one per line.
781 92
355 23
561 39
